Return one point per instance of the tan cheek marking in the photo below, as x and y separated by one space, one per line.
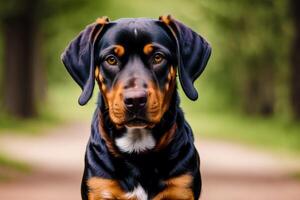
167 86
178 188
148 48
101 78
116 107
113 100
109 143
166 138
161 98
119 50
97 71
103 87
100 189
98 76
172 71
154 103
169 76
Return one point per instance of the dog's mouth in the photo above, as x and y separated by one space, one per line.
137 122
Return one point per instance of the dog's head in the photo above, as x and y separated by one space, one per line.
134 62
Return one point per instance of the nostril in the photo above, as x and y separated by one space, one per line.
129 101
142 101
145 85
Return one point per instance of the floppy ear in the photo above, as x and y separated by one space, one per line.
193 52
78 58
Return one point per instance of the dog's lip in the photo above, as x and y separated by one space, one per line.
137 119
136 122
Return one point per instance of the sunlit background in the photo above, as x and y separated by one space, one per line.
246 121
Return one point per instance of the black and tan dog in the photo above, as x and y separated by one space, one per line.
140 146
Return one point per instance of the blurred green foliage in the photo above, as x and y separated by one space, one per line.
10 168
251 50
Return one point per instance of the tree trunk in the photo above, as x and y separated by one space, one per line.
259 92
295 61
21 65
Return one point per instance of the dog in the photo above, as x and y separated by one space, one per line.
141 146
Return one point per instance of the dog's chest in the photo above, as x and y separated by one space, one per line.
137 193
135 140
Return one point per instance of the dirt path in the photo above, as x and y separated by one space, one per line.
230 172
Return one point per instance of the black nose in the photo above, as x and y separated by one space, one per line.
135 100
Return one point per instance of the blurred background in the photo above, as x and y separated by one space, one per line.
246 120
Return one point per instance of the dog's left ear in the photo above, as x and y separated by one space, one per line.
78 58
193 52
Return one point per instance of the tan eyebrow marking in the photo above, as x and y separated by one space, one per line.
119 50
166 19
148 48
102 20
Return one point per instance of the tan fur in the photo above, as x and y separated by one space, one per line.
113 99
166 19
106 189
102 20
108 141
167 86
148 48
159 101
116 105
119 50
178 188
100 80
166 138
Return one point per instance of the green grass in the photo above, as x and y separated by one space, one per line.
296 175
266 133
9 168
9 124
7 162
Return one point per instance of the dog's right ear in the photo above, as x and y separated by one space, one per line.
193 53
78 58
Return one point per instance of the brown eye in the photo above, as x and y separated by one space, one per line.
158 58
111 60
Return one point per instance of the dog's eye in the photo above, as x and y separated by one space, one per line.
158 58
111 60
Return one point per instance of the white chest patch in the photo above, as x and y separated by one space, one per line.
137 193
136 140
